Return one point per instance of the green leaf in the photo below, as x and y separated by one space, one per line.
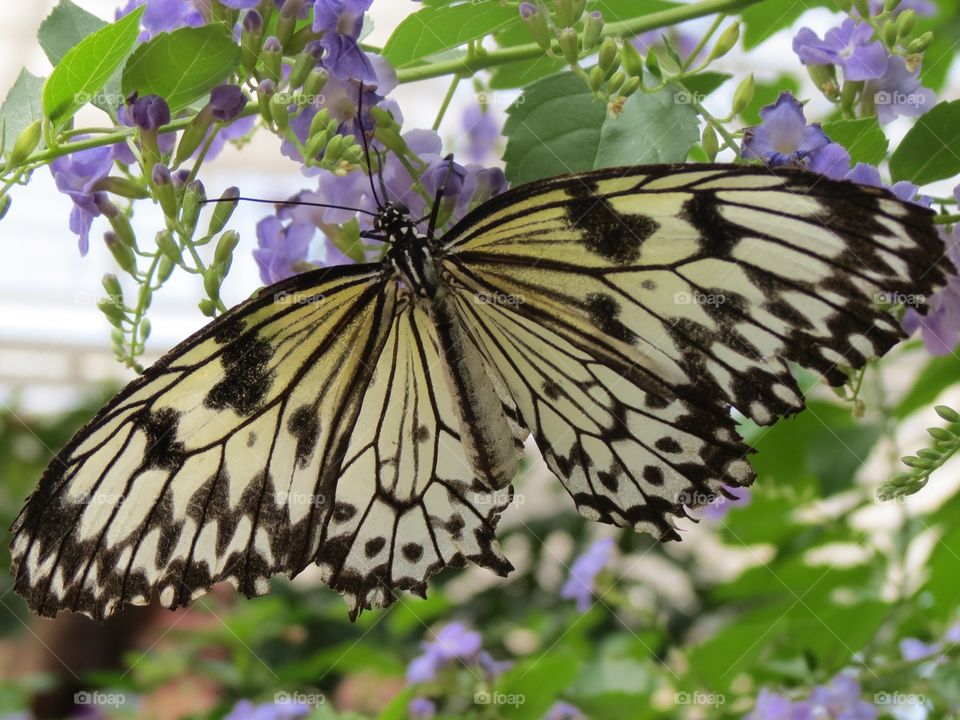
534 684
765 19
87 66
21 106
862 138
939 374
182 65
556 127
431 30
66 26
519 74
931 149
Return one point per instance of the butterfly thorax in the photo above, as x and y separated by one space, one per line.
409 251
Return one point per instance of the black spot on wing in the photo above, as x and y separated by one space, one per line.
374 546
412 552
247 377
604 312
305 427
163 450
614 236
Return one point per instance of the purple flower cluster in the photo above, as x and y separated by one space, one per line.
838 700
76 175
892 86
580 586
246 710
341 21
453 643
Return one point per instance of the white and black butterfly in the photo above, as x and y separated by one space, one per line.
370 418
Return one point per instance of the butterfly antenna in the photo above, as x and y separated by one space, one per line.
366 149
289 202
435 210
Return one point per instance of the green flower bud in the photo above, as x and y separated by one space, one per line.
112 286
124 187
207 307
920 44
578 7
863 7
302 66
212 279
193 135
115 314
928 454
570 45
609 55
121 251
279 111
889 33
226 245
168 246
5 202
165 269
164 191
26 143
536 23
288 20
334 149
941 434
122 227
844 6
592 29
906 22
314 84
192 196
223 209
917 462
145 328
743 94
251 40
825 78
272 56
144 297
595 78
726 42
948 413
632 60
565 13
316 144
630 87
319 123
265 92
710 142
616 82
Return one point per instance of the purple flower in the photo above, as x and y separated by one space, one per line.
226 102
75 175
783 137
771 706
236 129
421 708
341 21
453 642
940 327
281 248
841 700
150 112
912 649
923 8
583 573
163 15
832 161
718 509
482 132
561 710
246 710
899 92
865 174
849 46
240 4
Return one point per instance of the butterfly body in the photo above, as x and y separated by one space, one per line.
370 418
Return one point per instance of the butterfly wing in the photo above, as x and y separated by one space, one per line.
235 457
628 309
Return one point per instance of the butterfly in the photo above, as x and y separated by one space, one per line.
370 418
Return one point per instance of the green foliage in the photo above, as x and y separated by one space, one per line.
931 149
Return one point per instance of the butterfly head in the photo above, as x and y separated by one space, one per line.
392 220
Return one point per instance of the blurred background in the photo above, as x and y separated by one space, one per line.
740 592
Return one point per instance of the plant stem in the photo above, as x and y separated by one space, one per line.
454 83
467 66
703 42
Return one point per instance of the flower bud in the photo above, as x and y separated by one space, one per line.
163 190
920 44
5 202
632 59
616 82
226 102
595 78
710 142
743 94
279 111
888 5
319 122
145 328
565 13
265 91
212 280
112 286
168 246
165 269
150 112
888 33
289 12
726 42
302 66
25 144
193 194
536 23
272 56
251 39
193 135
113 312
144 297
947 413
207 307
863 8
122 252
124 187
225 246
906 22
592 29
570 45
630 87
315 82
609 55
334 149
223 209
